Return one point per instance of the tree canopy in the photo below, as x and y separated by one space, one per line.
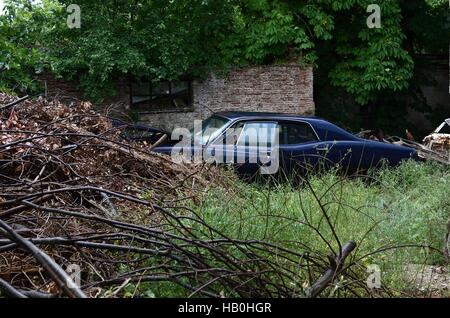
167 39
20 49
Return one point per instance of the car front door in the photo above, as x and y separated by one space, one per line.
249 146
256 150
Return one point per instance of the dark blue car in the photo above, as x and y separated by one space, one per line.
252 142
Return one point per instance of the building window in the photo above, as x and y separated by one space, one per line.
161 96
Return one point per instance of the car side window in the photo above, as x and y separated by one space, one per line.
258 133
292 133
231 135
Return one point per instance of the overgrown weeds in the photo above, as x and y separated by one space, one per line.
74 193
396 219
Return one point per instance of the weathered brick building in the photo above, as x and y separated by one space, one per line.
273 88
285 89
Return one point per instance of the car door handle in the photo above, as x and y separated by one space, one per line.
323 148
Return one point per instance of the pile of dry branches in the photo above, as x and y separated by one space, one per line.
72 191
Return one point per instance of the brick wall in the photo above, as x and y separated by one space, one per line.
284 89
66 91
63 90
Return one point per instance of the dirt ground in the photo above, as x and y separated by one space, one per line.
429 281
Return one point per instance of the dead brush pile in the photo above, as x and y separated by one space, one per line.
83 213
56 156
47 143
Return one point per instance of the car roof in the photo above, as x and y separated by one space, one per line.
323 128
264 115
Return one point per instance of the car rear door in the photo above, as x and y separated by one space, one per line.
299 145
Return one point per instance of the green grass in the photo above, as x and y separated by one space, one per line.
405 206
402 211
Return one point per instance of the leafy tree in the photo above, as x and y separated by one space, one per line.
20 54
360 63
426 25
157 38
166 39
425 28
369 59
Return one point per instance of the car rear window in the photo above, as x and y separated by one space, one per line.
292 133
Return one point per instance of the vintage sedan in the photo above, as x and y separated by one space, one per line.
271 142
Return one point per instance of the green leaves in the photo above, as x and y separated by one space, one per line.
266 31
321 22
168 39
20 41
370 60
161 39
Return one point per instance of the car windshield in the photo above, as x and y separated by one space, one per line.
211 128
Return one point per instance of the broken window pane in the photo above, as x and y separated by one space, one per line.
161 88
180 87
160 96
